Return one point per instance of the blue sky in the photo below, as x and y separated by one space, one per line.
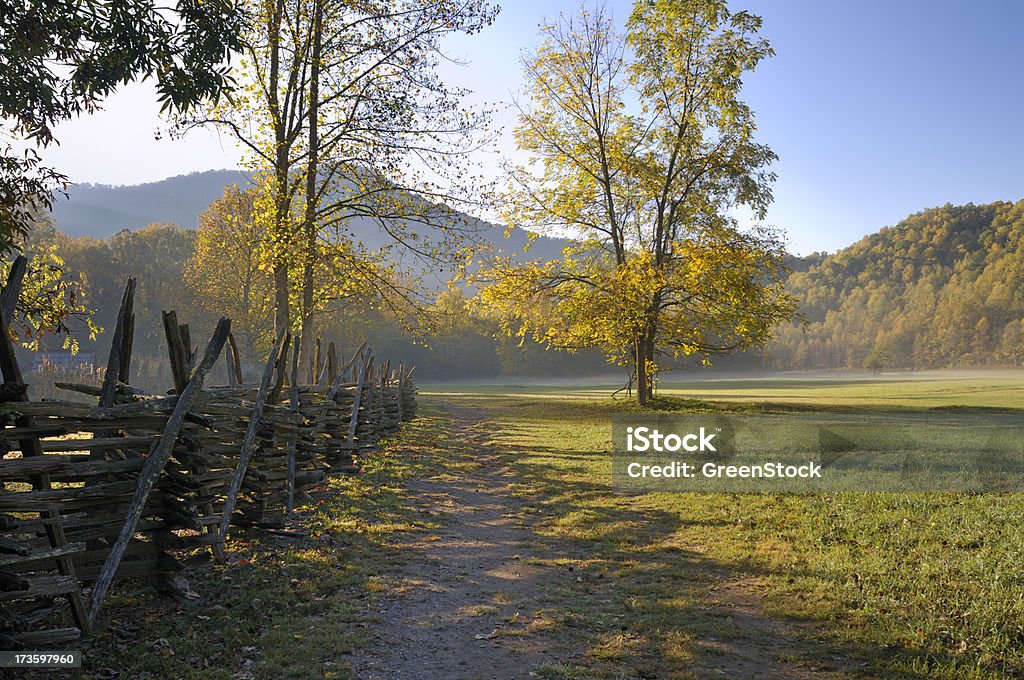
876 109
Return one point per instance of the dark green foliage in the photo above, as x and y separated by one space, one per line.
61 58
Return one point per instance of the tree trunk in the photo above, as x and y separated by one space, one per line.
281 207
640 359
649 355
281 317
309 222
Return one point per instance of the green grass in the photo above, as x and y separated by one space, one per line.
653 585
928 389
897 585
282 607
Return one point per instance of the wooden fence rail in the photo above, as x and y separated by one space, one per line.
89 494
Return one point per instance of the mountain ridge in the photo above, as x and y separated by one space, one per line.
943 287
102 210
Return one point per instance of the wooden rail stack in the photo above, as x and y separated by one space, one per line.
122 487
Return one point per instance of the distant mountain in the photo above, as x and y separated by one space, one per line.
943 288
101 210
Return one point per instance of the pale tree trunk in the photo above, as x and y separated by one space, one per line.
309 222
281 217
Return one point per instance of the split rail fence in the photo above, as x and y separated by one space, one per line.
90 493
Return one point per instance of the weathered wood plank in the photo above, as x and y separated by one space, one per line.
16 469
41 555
11 291
46 638
249 441
158 456
44 586
114 362
176 350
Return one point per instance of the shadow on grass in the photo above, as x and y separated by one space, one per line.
281 606
671 585
646 586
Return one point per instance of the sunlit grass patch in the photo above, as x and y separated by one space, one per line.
284 607
922 584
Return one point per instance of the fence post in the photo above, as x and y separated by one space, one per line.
355 403
159 453
294 394
250 433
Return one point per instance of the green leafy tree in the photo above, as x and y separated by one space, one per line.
642 148
344 116
61 58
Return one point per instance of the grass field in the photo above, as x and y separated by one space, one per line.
988 389
659 585
896 585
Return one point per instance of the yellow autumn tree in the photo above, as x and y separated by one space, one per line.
232 270
227 275
640 146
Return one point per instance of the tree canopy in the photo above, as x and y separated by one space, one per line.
61 58
642 148
942 288
343 115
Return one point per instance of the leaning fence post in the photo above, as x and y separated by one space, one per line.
355 402
159 453
250 433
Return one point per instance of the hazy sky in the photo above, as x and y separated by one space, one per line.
877 109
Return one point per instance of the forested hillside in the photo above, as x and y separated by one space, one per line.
943 288
101 211
457 343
